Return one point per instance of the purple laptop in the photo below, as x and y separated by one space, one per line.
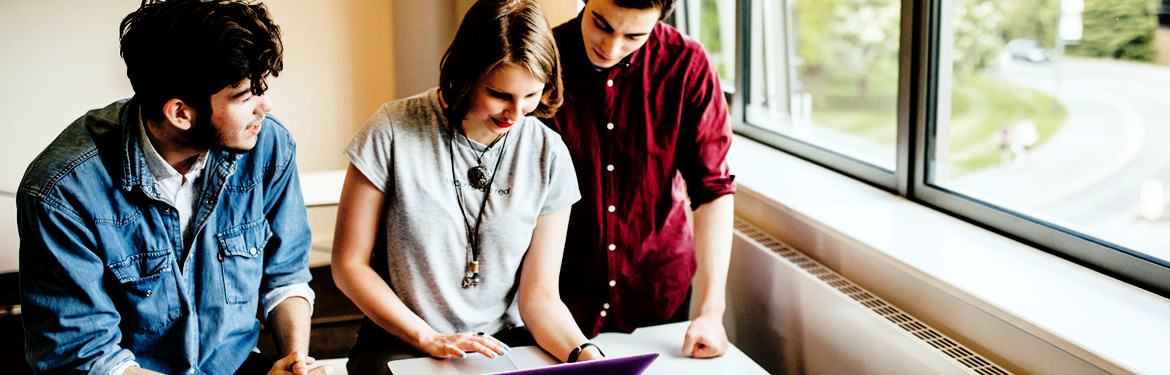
632 365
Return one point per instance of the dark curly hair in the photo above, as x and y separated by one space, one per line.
191 49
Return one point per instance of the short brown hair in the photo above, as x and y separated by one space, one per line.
664 6
495 32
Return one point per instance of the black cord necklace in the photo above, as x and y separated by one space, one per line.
477 176
471 273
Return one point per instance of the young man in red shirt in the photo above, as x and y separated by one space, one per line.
645 121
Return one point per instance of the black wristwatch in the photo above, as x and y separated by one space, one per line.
577 351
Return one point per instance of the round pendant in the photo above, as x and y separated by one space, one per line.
478 177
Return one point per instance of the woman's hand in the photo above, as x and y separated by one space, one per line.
459 344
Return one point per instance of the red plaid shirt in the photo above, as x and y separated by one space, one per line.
643 135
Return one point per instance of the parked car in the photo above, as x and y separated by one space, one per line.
1028 50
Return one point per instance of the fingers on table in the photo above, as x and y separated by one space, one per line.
702 348
486 345
706 351
689 344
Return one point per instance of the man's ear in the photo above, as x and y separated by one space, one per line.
179 114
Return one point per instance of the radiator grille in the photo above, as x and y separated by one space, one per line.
932 338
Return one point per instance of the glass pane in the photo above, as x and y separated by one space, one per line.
717 25
826 72
1056 110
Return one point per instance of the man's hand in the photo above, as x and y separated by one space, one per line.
298 364
705 338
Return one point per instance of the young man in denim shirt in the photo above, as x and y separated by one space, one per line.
152 229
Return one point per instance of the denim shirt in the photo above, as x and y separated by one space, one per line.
104 276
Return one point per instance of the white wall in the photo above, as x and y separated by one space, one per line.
338 70
60 59
427 27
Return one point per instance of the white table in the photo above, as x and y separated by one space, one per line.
666 340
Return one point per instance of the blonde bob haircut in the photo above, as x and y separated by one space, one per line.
496 32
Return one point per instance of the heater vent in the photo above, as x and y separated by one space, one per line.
928 336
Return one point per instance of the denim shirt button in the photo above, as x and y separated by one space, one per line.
252 251
149 292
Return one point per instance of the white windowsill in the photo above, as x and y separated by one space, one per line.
1105 322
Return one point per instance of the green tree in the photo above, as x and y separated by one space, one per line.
856 41
977 39
1119 29
864 31
1031 19
861 43
814 22
709 28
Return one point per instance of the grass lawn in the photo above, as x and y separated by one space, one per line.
979 106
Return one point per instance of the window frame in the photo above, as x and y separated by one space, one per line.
883 178
921 29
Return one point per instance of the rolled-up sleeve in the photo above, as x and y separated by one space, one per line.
705 141
70 323
275 296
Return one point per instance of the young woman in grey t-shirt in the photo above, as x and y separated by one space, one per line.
467 198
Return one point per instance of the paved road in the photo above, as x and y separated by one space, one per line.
1087 176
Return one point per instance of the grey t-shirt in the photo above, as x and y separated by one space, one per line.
404 149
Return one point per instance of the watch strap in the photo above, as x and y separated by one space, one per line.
577 351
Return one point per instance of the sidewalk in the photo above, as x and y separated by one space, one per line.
1101 134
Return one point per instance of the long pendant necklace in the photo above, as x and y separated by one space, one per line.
477 176
471 273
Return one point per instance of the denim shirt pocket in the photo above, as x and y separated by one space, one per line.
241 252
150 288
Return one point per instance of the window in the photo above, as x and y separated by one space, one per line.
1041 119
829 74
714 24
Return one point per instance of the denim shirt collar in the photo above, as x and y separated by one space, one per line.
166 176
136 169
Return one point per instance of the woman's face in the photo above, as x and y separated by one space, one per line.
506 95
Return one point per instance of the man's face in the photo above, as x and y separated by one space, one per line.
235 119
611 32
